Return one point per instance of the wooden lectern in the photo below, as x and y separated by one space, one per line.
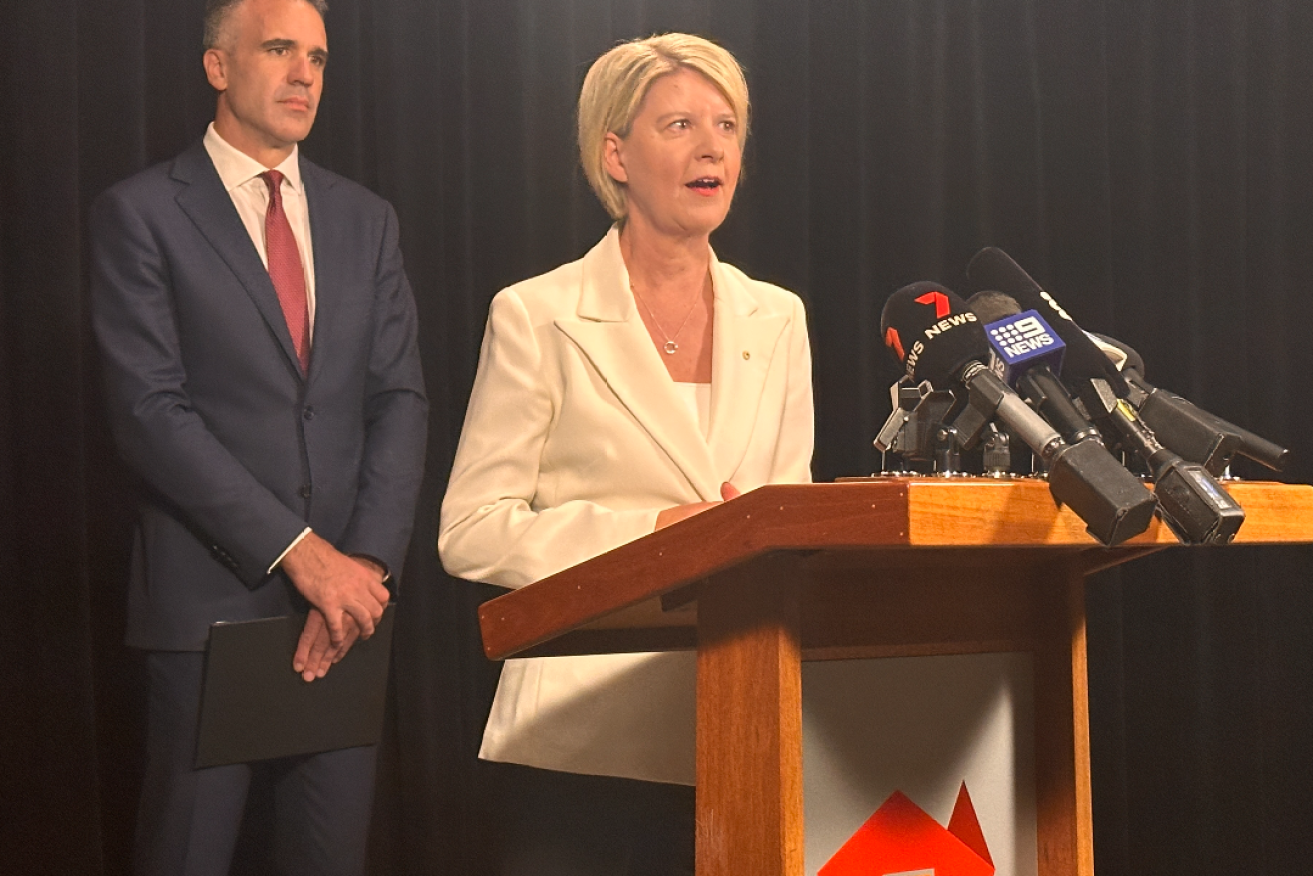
872 568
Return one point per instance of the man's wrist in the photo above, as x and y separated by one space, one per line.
374 562
288 549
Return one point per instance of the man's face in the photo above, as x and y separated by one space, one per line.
269 72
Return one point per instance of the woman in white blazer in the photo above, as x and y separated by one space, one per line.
615 395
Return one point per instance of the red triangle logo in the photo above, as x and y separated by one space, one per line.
900 838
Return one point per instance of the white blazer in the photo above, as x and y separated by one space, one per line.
574 440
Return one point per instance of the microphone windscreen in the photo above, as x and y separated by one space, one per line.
992 306
994 269
929 329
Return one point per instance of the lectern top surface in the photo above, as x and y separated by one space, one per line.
884 523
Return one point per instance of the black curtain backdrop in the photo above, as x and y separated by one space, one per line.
1149 162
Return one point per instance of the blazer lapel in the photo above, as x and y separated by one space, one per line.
611 334
208 205
327 252
744 342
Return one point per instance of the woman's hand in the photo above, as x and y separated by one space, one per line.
680 512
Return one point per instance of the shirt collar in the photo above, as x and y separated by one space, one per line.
236 168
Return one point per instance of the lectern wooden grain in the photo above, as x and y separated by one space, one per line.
873 568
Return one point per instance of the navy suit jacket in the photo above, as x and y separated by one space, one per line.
238 450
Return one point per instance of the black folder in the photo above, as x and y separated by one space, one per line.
254 706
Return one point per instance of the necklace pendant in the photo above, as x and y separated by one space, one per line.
670 348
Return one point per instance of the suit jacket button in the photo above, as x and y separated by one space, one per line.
305 491
308 413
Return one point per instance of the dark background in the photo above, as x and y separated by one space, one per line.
1149 162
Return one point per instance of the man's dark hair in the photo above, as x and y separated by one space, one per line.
216 12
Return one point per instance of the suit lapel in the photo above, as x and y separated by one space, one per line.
208 205
611 334
327 253
744 342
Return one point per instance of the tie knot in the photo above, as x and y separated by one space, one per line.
274 180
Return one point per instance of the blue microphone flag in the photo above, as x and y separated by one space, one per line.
1024 340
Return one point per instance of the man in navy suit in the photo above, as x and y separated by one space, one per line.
259 342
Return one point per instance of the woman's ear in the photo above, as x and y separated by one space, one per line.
613 158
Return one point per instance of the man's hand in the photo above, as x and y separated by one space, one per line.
680 512
339 586
315 652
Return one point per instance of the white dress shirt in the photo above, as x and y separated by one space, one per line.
240 174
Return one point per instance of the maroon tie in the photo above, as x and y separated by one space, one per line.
285 268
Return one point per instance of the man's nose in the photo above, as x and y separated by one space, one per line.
302 70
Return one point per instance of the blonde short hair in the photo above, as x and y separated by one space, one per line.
619 80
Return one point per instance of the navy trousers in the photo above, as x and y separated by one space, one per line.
189 819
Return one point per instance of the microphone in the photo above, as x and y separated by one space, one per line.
1192 502
1122 356
991 268
1031 352
939 341
1189 430
1197 508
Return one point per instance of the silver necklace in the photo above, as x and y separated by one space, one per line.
670 347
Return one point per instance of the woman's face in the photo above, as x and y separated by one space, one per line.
680 161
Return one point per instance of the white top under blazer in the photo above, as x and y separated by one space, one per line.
574 440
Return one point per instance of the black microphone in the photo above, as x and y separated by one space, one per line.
939 341
1188 429
1123 356
1194 430
991 268
1197 508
